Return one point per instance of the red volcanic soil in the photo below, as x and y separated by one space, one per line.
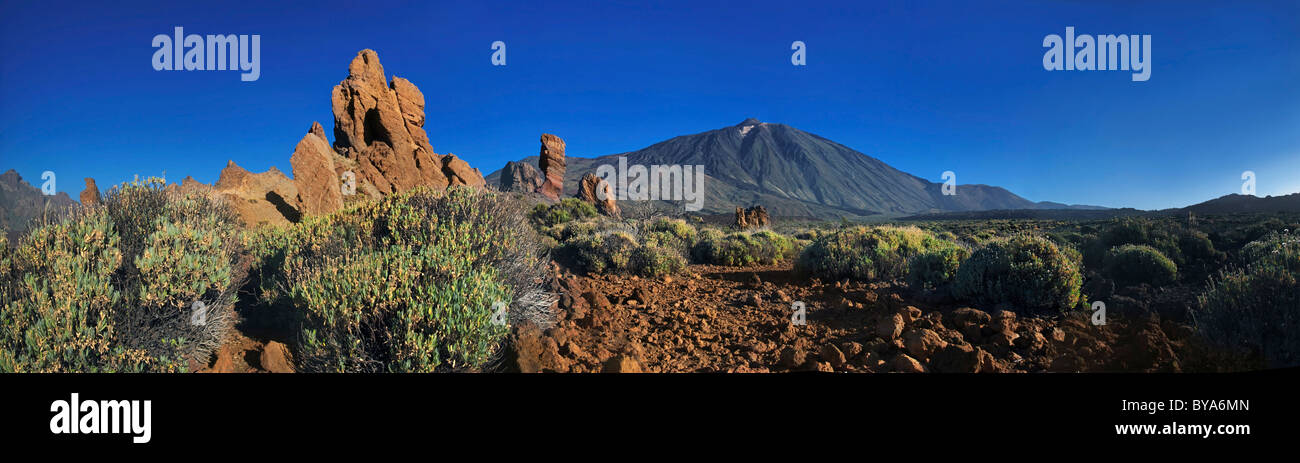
726 319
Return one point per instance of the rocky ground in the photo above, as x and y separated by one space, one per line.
727 319
723 319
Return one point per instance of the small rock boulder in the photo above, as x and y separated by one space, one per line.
923 343
622 364
276 358
890 327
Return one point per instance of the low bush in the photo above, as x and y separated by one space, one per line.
655 261
407 283
1190 250
934 270
568 209
743 248
670 233
114 287
1254 311
1025 271
1134 264
866 253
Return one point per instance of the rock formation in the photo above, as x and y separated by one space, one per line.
381 126
754 217
90 195
319 131
551 162
265 198
520 177
588 189
315 175
378 136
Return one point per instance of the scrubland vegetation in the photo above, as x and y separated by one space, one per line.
412 283
113 288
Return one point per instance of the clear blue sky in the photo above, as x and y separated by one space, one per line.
923 86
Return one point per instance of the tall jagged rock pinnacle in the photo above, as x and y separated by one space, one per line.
551 163
381 126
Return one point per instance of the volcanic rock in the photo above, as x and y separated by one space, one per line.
922 343
622 364
318 130
90 195
905 364
381 127
551 162
265 198
520 177
588 188
276 358
889 328
314 175
754 217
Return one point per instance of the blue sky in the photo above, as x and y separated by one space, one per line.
923 86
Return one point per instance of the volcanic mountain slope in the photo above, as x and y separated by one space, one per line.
1235 203
796 173
20 202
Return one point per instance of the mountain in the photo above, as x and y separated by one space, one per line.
797 174
1235 203
20 202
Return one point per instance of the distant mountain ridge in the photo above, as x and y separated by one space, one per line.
20 202
1238 203
798 174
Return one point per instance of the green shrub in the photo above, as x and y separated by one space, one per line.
936 268
1026 271
743 248
1190 250
568 209
112 287
669 233
1254 311
405 284
654 261
866 253
707 238
1134 264
612 251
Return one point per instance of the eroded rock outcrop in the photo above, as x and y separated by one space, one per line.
754 217
315 175
265 198
589 189
551 162
519 177
90 195
381 126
